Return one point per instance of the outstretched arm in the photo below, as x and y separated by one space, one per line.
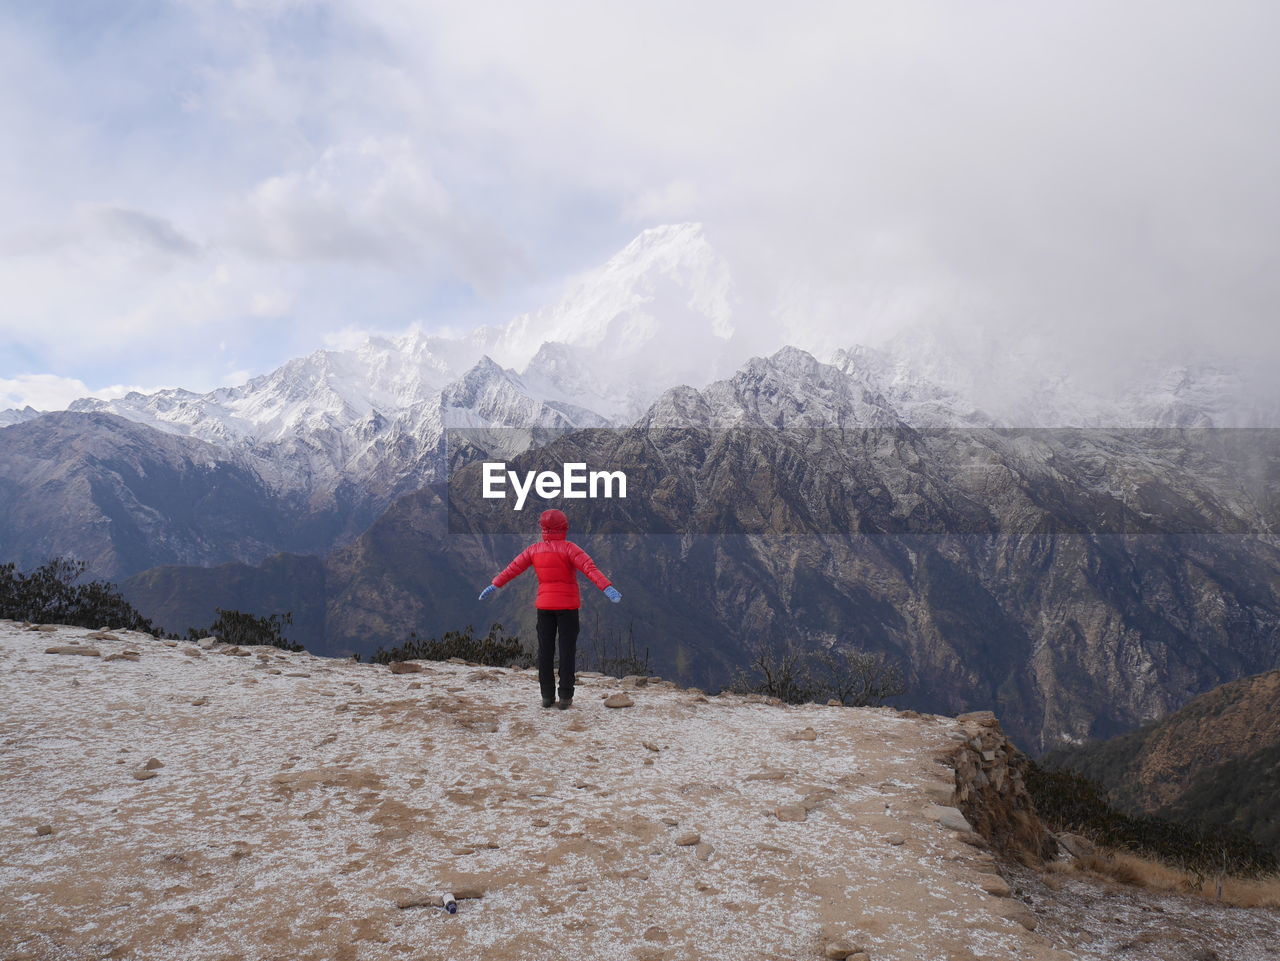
515 568
583 562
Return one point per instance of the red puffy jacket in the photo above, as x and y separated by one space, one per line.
557 562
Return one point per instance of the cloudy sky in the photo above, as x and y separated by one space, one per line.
191 192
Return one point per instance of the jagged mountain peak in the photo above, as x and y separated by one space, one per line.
659 311
789 388
16 416
490 395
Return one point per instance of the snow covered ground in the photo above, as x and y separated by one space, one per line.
301 801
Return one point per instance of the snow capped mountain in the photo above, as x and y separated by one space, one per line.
13 416
124 497
666 285
789 389
659 313
325 390
374 416
936 375
368 423
491 396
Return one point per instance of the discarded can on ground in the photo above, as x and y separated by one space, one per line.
450 903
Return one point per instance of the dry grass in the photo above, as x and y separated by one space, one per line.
1124 867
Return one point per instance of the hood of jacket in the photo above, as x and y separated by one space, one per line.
555 526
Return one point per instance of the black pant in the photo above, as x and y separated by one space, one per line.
549 622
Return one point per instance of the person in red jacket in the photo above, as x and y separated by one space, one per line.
556 562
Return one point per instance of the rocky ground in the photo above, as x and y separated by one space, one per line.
1106 919
161 800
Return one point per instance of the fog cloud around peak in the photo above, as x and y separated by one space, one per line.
205 187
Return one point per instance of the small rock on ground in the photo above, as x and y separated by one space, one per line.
420 901
949 817
1017 911
618 700
1076 845
995 885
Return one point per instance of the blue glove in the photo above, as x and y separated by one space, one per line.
611 592
487 591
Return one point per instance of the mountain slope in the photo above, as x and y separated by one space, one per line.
1216 758
125 497
1075 581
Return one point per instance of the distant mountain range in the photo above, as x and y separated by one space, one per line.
336 436
1075 581
1027 585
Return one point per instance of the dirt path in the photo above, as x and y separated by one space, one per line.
295 809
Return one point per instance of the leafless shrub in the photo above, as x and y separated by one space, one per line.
854 677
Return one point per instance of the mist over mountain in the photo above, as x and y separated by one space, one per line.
663 312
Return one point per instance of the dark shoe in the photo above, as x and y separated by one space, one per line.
548 702
565 703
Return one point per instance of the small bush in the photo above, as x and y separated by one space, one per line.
854 677
237 627
494 649
610 651
53 594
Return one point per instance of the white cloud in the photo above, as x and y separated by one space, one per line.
1104 173
51 392
293 171
269 303
677 201
41 391
375 200
351 337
